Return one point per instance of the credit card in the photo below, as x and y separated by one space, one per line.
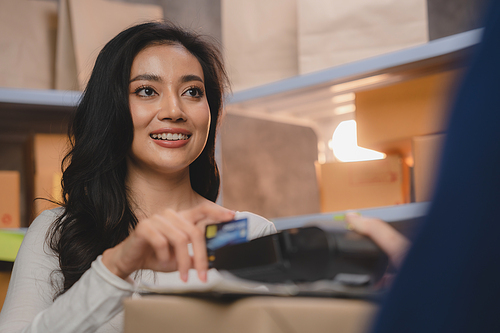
226 233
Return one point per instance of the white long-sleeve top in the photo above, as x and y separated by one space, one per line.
94 302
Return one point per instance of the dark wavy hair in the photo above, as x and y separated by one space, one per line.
97 213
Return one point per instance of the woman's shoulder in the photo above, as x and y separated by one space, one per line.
45 219
42 222
258 226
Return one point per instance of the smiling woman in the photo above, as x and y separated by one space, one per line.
139 186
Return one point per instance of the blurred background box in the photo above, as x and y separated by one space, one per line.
426 157
389 117
84 27
10 193
16 154
4 285
268 167
27 43
260 41
355 185
49 150
335 32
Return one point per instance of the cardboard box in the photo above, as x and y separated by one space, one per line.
388 117
27 43
335 32
260 41
271 174
356 185
84 27
251 314
4 285
49 150
10 197
426 161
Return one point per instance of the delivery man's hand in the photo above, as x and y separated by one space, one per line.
394 244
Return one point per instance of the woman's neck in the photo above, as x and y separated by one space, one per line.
151 192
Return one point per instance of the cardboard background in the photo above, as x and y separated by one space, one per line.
366 184
335 32
427 157
260 41
92 24
389 115
10 196
27 43
49 150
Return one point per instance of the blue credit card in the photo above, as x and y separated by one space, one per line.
226 233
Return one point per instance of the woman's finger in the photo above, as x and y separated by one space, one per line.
393 243
197 239
161 242
178 234
157 240
136 250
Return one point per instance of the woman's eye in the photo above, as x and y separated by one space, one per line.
145 92
194 92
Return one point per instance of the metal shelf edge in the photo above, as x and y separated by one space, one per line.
63 98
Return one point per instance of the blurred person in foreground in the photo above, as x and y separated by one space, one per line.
448 281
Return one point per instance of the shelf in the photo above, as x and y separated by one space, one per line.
37 111
335 220
58 98
307 99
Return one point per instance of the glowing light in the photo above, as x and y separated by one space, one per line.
349 97
345 147
344 109
352 85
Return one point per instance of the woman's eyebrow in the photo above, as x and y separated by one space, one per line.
190 77
147 77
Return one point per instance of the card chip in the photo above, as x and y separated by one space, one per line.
211 231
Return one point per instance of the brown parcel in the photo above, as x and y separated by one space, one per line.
27 43
4 285
426 158
389 117
260 41
49 150
84 27
335 32
365 184
10 192
252 314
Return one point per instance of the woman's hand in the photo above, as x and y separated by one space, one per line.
160 243
394 244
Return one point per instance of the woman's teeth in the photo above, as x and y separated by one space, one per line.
169 136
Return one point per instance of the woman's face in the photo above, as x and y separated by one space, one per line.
169 109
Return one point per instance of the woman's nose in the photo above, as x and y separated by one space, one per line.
170 108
